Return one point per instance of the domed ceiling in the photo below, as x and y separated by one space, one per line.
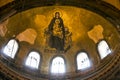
53 31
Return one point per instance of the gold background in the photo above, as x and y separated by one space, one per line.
29 26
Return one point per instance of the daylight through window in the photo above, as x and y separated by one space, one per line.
58 65
82 61
11 48
33 60
103 49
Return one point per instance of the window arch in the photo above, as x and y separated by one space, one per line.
58 65
11 48
103 49
83 61
33 60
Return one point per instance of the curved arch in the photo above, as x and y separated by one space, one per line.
58 65
33 60
103 49
11 48
83 61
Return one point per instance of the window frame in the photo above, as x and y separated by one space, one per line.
76 65
99 52
50 65
30 67
15 55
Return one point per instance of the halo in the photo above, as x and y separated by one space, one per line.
52 12
57 10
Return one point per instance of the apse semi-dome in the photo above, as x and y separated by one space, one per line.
58 42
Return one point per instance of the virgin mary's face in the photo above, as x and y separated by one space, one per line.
57 15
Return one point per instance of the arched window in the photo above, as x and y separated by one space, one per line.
58 65
33 60
103 49
83 61
11 48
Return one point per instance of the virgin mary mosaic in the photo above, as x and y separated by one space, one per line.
57 35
